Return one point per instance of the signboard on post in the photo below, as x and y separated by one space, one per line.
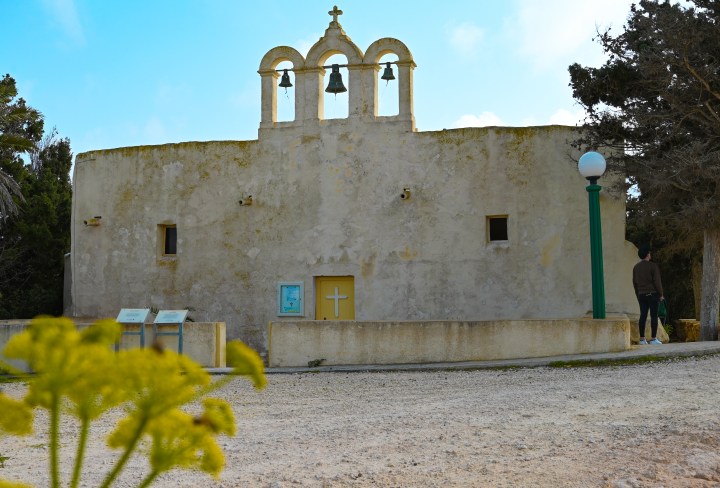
133 315
171 317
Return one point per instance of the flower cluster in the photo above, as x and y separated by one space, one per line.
79 372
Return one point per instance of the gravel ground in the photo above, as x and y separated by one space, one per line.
649 425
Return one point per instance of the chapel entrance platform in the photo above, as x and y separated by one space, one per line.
293 344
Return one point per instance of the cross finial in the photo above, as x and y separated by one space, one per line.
335 12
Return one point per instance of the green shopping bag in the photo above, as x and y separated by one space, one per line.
662 310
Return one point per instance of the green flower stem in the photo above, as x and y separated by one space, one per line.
149 479
79 456
54 439
202 392
126 455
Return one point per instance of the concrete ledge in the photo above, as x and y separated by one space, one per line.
204 342
295 343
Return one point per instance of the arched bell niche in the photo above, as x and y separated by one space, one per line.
360 73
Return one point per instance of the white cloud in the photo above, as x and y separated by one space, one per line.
65 14
559 32
565 117
560 117
466 37
485 119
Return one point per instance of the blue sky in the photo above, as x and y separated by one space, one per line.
110 73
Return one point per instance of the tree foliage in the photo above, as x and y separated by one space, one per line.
33 242
675 257
20 129
656 104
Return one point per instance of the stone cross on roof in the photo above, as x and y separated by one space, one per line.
335 12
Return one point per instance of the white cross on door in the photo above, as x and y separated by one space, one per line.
337 297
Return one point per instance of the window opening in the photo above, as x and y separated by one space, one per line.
497 228
169 233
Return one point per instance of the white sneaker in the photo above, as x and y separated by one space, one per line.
654 341
642 342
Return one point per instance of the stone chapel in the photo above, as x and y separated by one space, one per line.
361 218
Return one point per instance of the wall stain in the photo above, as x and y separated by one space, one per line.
168 263
243 277
310 139
367 268
549 249
408 254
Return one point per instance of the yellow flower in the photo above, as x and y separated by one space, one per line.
43 343
105 331
11 484
97 389
246 362
218 417
81 366
69 363
213 459
126 431
159 381
16 418
179 440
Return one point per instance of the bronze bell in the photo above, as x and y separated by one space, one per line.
335 85
285 80
388 73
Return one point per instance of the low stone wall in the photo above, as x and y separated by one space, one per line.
296 343
9 328
204 342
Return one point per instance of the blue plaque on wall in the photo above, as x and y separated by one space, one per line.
291 297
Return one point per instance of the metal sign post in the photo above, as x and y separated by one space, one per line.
133 316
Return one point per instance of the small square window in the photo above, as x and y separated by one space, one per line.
168 239
497 228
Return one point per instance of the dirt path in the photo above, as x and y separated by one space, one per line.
653 425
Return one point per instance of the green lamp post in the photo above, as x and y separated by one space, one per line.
592 166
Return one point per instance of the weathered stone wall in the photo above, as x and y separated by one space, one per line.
326 201
296 344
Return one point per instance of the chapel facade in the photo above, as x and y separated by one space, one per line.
360 218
